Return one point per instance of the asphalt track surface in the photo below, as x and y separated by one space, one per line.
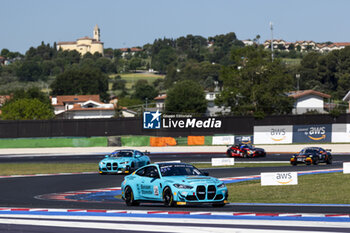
21 192
155 157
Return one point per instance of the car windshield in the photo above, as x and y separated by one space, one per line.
179 170
308 151
118 154
248 146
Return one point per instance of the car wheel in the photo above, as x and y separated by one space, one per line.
129 197
218 204
168 197
308 163
294 163
329 160
245 154
229 153
315 161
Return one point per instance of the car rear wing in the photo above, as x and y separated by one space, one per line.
146 152
330 150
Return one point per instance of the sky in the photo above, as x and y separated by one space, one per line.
128 23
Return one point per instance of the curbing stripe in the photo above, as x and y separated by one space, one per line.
6 210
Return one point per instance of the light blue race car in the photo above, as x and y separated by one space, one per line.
173 184
123 161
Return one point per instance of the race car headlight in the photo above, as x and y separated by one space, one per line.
183 186
102 163
220 186
124 162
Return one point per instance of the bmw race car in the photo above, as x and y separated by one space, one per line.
173 184
312 155
123 161
245 150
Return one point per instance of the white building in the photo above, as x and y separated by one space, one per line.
308 100
81 107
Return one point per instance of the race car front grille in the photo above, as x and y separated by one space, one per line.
201 192
211 191
115 166
108 165
191 198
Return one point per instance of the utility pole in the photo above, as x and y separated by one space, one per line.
271 28
298 77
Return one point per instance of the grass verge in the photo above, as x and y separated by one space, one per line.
7 169
331 188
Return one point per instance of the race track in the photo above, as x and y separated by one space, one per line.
21 192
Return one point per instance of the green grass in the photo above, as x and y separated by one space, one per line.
292 61
7 169
332 188
49 168
132 78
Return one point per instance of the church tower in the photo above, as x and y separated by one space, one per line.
96 33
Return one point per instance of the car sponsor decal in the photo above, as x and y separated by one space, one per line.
156 190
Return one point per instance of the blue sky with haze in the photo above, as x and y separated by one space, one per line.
127 23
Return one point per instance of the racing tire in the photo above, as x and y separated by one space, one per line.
329 160
129 197
245 155
229 153
168 198
218 204
308 163
315 162
294 163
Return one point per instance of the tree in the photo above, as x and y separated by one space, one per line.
31 93
119 83
26 109
144 91
161 60
186 97
81 81
29 71
255 85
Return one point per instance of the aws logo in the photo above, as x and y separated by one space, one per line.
284 178
278 134
316 133
246 140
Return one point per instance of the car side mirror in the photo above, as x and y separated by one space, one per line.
107 156
205 173
137 156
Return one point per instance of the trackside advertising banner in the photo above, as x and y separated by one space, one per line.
340 132
247 139
158 120
223 140
273 134
312 133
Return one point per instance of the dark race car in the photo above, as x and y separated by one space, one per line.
245 151
312 155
